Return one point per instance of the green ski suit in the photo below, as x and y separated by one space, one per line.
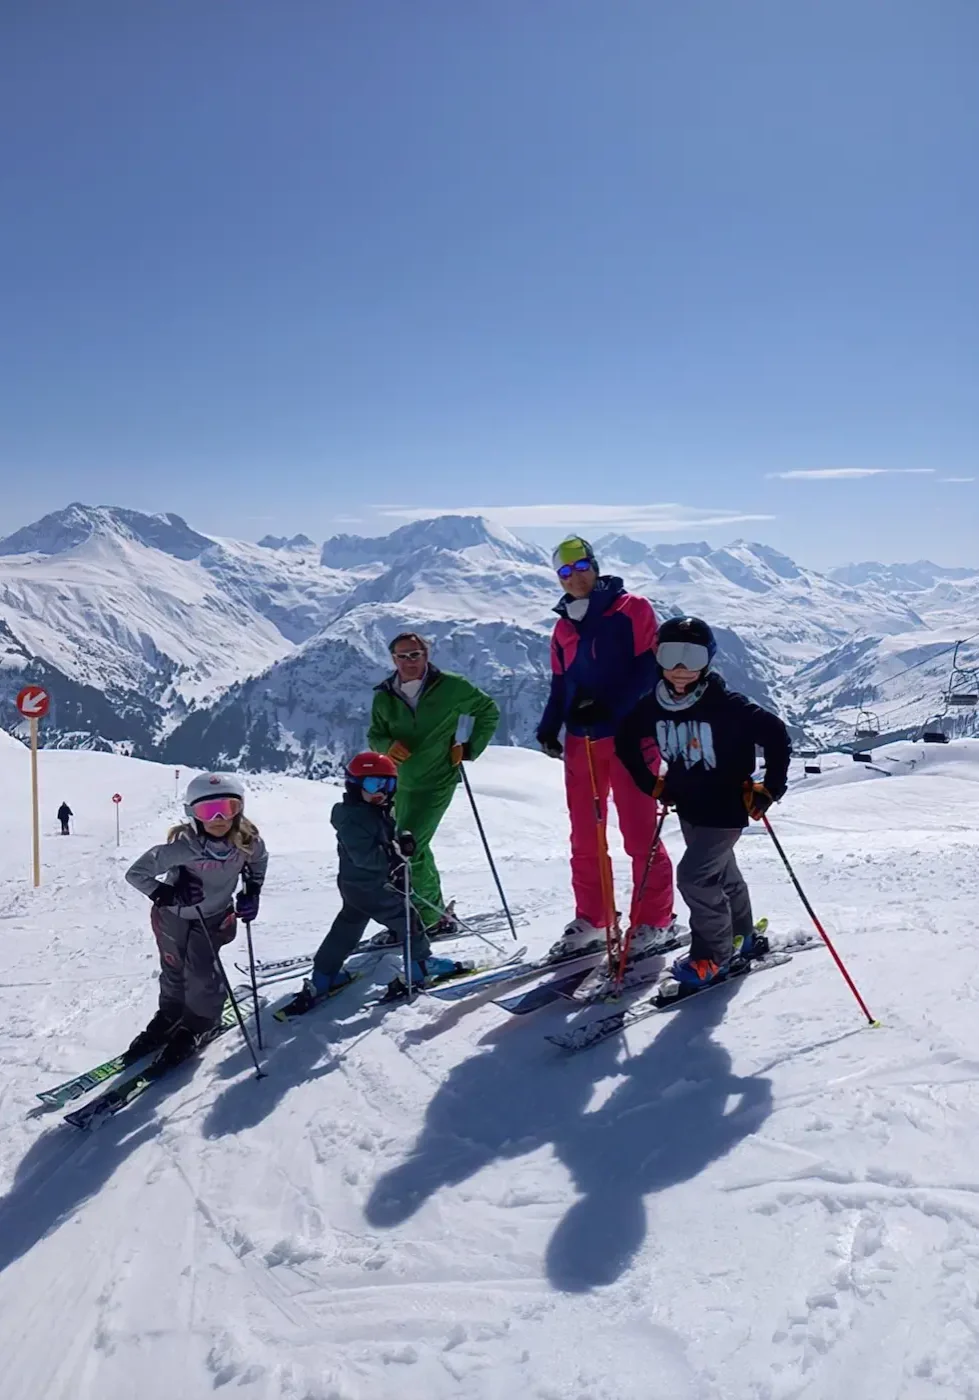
428 778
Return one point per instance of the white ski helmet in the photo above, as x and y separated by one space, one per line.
207 785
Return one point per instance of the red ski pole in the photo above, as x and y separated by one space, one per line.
654 847
819 928
612 937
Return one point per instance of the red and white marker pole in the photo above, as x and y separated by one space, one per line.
117 799
176 784
33 702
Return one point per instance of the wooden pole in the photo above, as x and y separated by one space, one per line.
34 801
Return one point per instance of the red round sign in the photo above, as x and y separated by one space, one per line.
117 797
33 702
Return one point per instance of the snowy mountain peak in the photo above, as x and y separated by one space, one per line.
64 530
473 535
298 542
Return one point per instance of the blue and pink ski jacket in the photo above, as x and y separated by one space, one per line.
609 656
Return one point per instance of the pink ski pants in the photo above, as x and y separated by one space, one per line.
637 822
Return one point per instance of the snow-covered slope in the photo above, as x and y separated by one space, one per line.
754 1198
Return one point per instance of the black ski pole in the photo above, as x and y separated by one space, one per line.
406 875
489 853
219 965
251 969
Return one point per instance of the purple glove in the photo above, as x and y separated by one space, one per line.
246 905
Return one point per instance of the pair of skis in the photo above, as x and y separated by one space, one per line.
123 1091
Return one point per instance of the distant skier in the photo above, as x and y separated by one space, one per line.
371 882
65 815
414 720
602 661
201 863
707 734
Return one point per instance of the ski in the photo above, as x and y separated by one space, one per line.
289 1013
583 1037
119 1095
74 1088
574 985
264 968
446 986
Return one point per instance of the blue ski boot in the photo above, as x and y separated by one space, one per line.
693 974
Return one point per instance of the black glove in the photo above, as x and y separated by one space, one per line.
246 905
406 844
165 896
586 711
550 743
399 876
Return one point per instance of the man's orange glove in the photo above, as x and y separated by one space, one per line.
399 751
662 793
757 800
457 753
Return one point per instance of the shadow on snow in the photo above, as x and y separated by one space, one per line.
678 1108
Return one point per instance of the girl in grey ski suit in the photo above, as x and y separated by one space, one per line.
200 872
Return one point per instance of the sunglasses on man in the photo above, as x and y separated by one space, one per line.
579 566
408 655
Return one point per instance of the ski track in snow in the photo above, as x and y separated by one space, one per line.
753 1198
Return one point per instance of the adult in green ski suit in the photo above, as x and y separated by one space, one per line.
414 719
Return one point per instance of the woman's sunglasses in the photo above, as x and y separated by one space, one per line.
578 567
214 809
380 784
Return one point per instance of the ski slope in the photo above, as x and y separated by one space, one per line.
752 1198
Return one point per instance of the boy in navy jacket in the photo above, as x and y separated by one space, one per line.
708 736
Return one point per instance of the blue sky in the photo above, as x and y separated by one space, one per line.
322 264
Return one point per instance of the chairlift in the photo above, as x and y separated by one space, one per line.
963 686
863 758
933 731
867 726
813 769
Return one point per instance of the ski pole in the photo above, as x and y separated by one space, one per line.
604 865
489 854
654 847
467 927
219 965
819 928
251 968
406 872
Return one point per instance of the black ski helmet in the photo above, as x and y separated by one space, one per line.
688 629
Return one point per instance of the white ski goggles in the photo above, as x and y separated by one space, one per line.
691 655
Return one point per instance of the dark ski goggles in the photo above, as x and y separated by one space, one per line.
379 784
690 655
578 567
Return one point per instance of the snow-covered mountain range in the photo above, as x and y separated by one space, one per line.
164 642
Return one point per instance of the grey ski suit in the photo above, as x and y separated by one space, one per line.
190 985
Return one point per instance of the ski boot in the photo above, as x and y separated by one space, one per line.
694 974
644 940
579 937
753 944
183 1043
426 974
154 1037
318 987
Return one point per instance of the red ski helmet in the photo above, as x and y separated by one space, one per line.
371 765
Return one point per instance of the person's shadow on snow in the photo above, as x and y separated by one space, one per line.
64 1168
679 1109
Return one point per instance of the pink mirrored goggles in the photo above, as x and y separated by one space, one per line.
213 809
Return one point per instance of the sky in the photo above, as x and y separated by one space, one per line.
694 271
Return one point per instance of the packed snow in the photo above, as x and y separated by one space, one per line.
755 1197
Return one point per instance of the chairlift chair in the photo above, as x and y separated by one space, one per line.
963 686
863 758
933 732
813 769
867 726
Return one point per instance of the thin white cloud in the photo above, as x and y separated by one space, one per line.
849 473
650 519
956 480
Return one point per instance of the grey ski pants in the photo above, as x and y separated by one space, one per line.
349 926
190 984
714 890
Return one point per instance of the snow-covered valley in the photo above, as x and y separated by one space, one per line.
753 1198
